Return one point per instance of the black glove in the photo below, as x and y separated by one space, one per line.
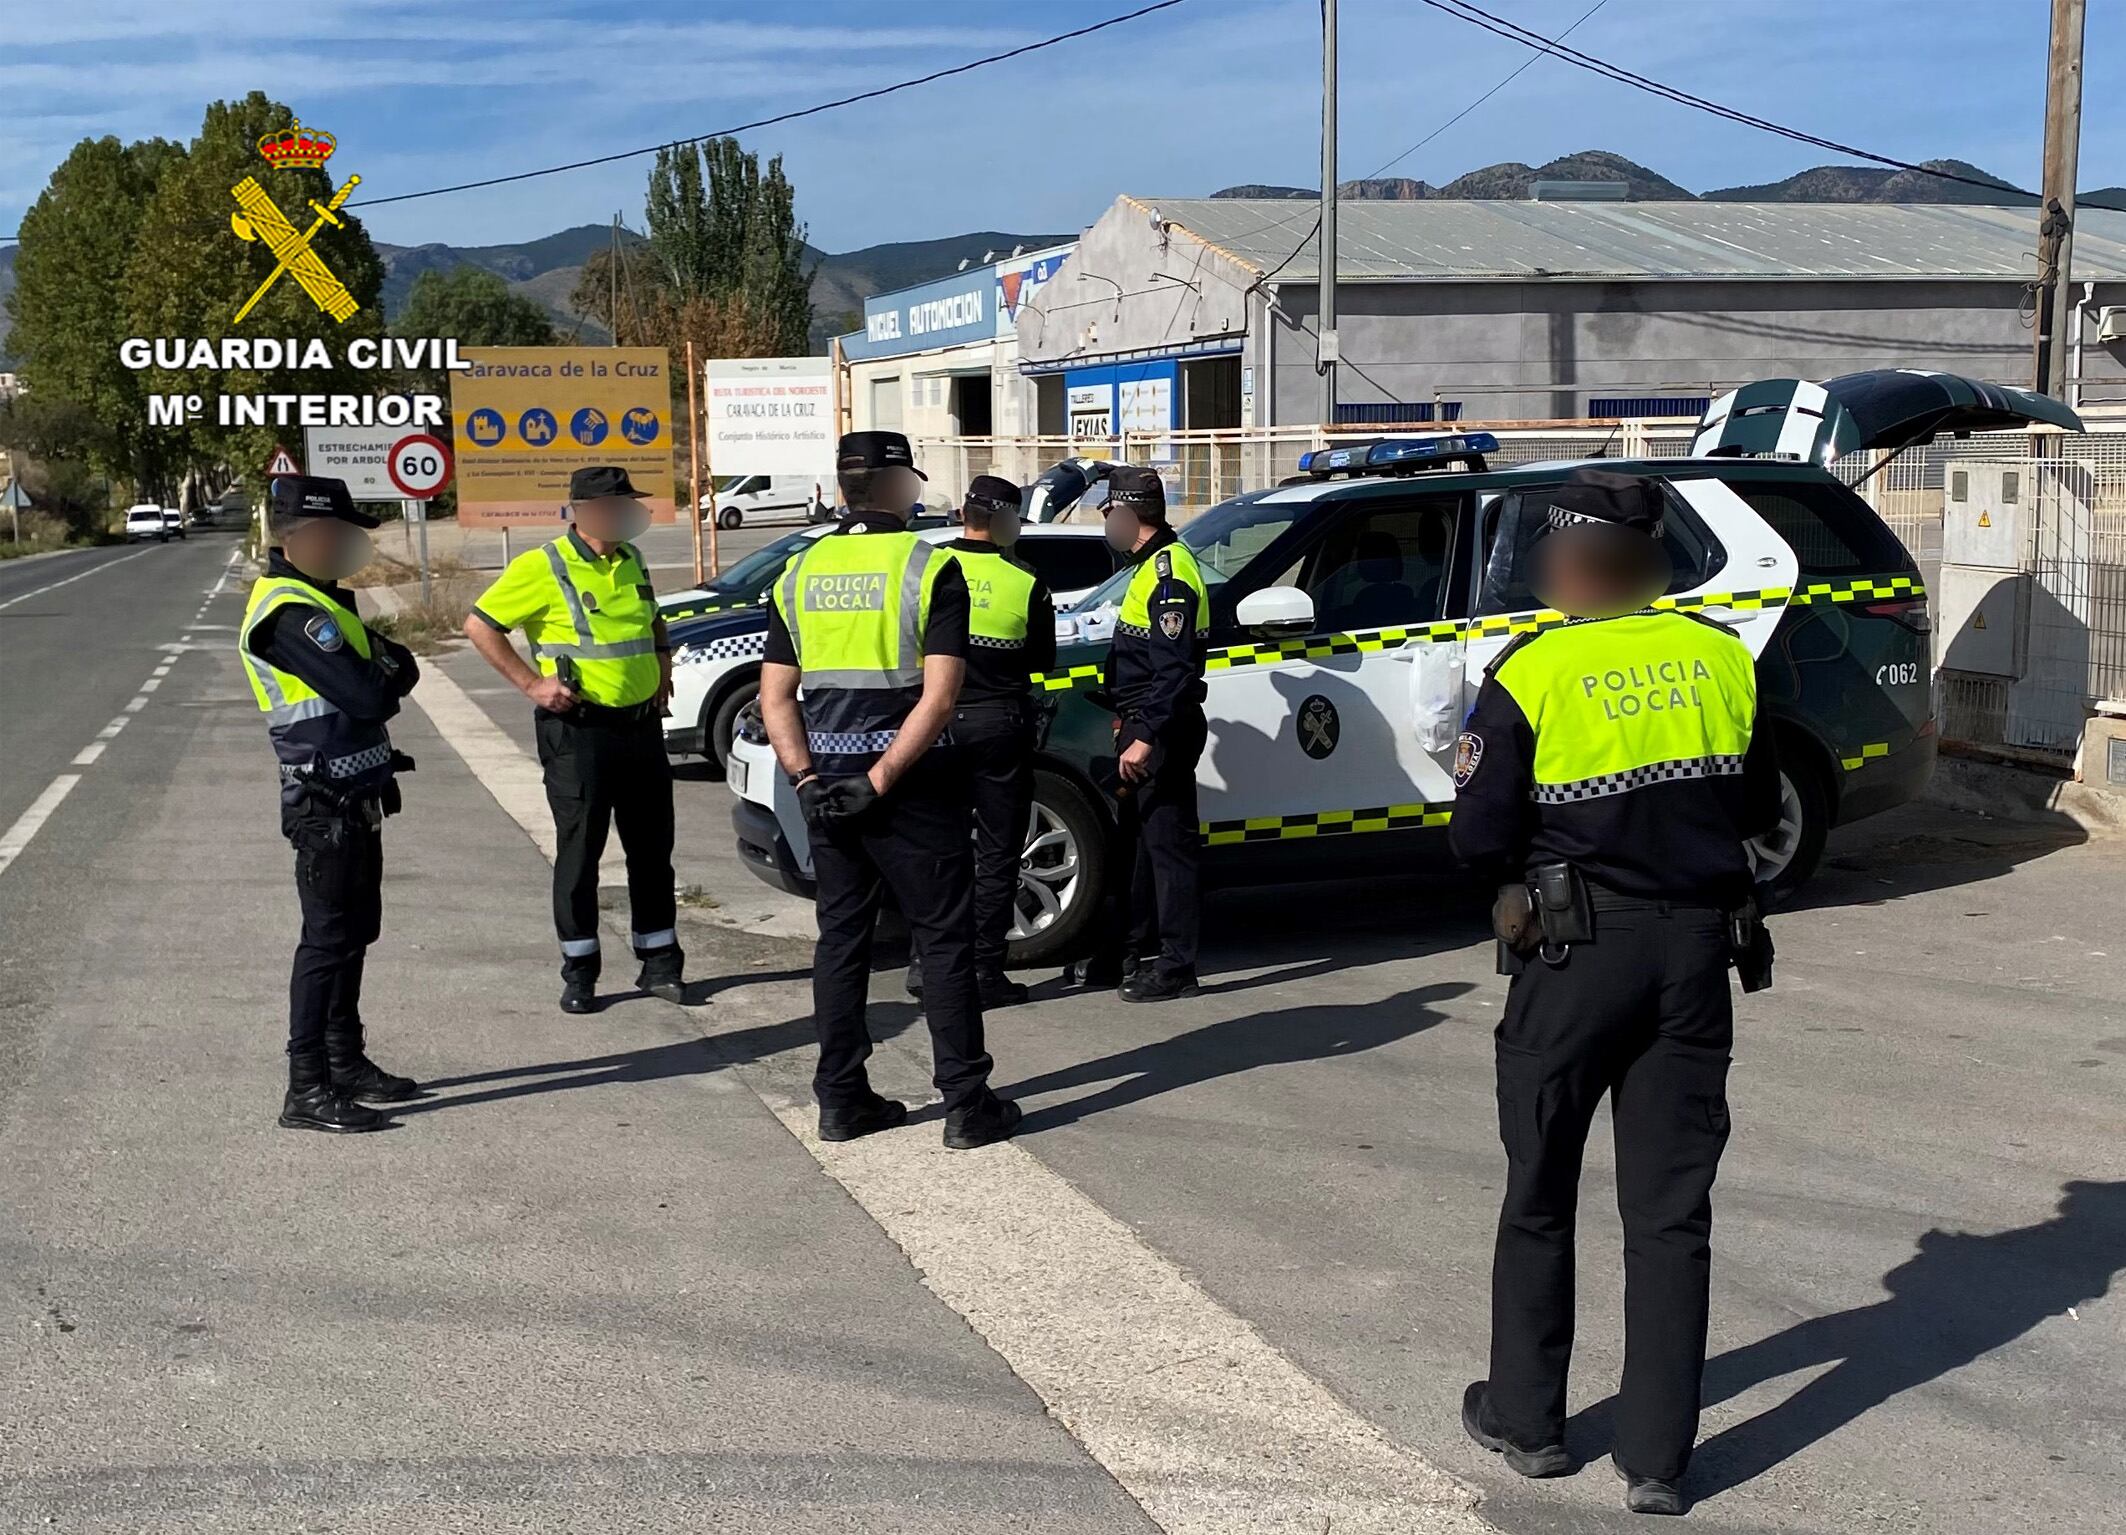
812 802
828 802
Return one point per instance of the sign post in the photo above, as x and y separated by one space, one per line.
14 500
419 466
694 458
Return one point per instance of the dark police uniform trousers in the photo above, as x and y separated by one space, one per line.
1161 841
339 880
1651 805
603 766
994 739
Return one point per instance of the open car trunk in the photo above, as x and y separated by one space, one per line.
1883 408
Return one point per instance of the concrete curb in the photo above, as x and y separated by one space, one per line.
2018 794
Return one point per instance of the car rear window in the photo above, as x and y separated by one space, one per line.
1833 532
1066 564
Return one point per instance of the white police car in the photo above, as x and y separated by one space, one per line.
1354 611
718 631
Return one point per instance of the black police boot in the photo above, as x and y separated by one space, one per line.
1098 973
663 974
1545 1460
314 1104
913 981
1151 984
997 989
1648 1494
866 1118
983 1123
354 1075
579 993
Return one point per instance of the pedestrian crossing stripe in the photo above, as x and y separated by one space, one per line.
1323 823
679 610
1366 642
1868 753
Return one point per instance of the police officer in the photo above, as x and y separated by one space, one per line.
1609 774
604 674
327 686
1011 634
872 622
1155 683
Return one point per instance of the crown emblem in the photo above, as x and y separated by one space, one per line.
296 148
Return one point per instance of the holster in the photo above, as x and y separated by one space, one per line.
1513 923
1563 909
1749 947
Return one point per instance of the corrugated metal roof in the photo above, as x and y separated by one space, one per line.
1460 241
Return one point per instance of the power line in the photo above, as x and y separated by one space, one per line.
781 117
1462 10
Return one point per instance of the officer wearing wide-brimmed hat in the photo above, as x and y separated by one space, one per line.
1607 779
327 687
600 679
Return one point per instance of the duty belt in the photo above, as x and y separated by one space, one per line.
351 766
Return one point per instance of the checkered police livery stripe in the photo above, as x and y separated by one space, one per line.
1319 647
351 766
729 647
678 610
1323 823
849 743
1636 778
1868 753
993 642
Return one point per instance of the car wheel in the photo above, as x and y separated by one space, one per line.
1062 873
1786 856
719 719
730 517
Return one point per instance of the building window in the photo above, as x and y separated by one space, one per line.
1395 412
1631 407
886 404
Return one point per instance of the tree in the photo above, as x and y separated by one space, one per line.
60 441
475 307
78 240
189 274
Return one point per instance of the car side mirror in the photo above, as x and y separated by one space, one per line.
1276 610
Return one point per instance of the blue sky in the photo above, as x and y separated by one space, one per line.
1212 92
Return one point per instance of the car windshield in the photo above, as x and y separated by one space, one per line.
1224 540
751 575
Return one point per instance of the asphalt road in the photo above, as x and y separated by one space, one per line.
600 1282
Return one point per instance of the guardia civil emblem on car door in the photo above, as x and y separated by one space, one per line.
1317 727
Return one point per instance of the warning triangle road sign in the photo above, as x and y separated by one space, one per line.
281 463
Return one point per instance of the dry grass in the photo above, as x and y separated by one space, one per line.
424 627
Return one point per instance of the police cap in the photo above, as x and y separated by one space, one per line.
1139 489
1606 497
876 450
311 495
599 481
990 493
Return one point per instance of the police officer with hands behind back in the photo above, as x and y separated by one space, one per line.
604 674
1011 634
872 623
327 686
1608 776
1155 685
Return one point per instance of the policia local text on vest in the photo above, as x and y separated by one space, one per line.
872 624
603 675
327 686
1614 767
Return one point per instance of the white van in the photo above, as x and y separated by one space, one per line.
771 497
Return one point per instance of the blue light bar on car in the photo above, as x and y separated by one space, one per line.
1396 450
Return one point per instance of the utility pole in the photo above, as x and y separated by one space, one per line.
2055 245
1327 352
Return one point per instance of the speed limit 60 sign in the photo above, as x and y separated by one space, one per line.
419 465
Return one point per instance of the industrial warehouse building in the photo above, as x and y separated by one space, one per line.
1201 313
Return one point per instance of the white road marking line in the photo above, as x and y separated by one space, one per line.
93 570
135 704
113 728
151 685
17 837
89 753
1199 1418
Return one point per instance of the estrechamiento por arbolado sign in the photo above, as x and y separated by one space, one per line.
263 354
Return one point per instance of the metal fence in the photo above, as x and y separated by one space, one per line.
2074 652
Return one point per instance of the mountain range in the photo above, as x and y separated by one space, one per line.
1511 180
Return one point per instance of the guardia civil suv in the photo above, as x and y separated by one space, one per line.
1355 609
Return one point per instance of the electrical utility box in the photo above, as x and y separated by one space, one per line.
1981 618
1988 517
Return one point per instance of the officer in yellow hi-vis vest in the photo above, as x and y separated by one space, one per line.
1608 778
604 673
327 686
872 623
1155 683
1011 634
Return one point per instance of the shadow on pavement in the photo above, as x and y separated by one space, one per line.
1229 1046
1917 848
1957 1299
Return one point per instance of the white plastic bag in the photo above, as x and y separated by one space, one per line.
1436 693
